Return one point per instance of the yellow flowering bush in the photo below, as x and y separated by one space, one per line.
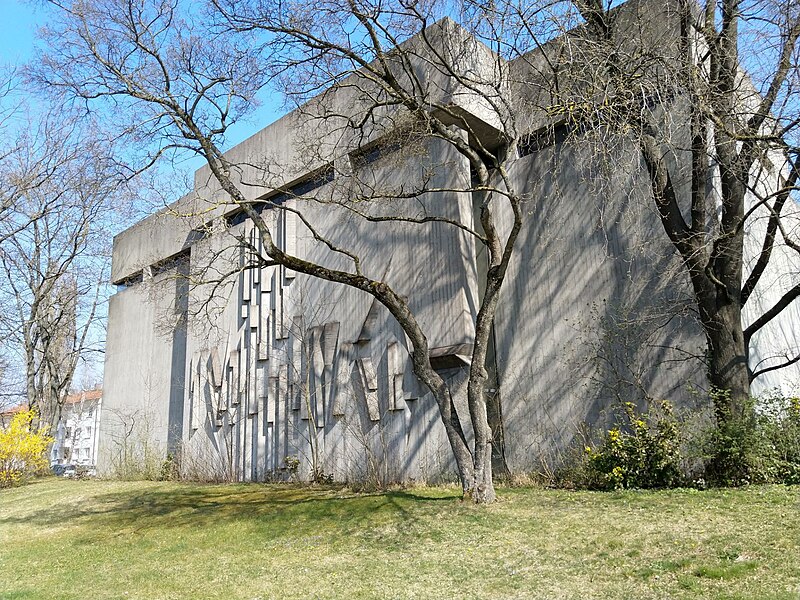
22 451
642 451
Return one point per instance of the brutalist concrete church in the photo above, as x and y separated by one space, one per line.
244 369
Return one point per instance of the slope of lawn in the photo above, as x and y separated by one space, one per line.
102 539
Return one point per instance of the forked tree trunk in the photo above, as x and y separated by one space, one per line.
449 415
482 490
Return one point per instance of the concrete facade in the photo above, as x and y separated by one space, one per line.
252 373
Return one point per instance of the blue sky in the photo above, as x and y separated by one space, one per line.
18 26
17 30
19 23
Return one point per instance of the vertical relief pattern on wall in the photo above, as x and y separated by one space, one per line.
281 384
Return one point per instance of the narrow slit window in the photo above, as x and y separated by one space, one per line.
313 181
543 138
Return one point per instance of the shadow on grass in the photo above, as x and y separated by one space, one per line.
278 509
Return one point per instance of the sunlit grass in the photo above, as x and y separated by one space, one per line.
91 539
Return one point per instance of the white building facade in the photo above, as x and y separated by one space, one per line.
77 434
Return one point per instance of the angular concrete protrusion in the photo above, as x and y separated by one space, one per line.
216 368
281 396
283 326
396 374
273 399
261 394
252 271
244 275
233 378
196 391
255 315
266 278
369 383
264 327
339 399
247 288
290 239
370 323
330 340
278 300
224 394
317 375
295 370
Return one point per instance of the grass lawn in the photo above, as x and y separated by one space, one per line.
103 539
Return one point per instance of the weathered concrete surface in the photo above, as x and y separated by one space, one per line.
144 391
277 372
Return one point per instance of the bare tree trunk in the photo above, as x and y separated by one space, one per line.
449 415
727 361
483 489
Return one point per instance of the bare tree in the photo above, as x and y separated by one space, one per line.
145 60
707 94
176 76
53 253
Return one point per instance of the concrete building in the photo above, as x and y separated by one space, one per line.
251 373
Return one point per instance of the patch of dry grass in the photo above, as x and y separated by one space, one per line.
96 539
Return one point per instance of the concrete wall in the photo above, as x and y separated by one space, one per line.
252 373
282 365
779 340
143 401
596 309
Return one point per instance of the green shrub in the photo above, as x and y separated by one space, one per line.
170 470
641 451
732 447
762 446
777 459
783 435
655 449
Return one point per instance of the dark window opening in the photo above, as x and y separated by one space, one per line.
169 263
374 152
130 281
473 176
543 138
236 218
308 184
195 235
314 180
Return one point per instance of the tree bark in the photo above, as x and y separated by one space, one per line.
727 360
